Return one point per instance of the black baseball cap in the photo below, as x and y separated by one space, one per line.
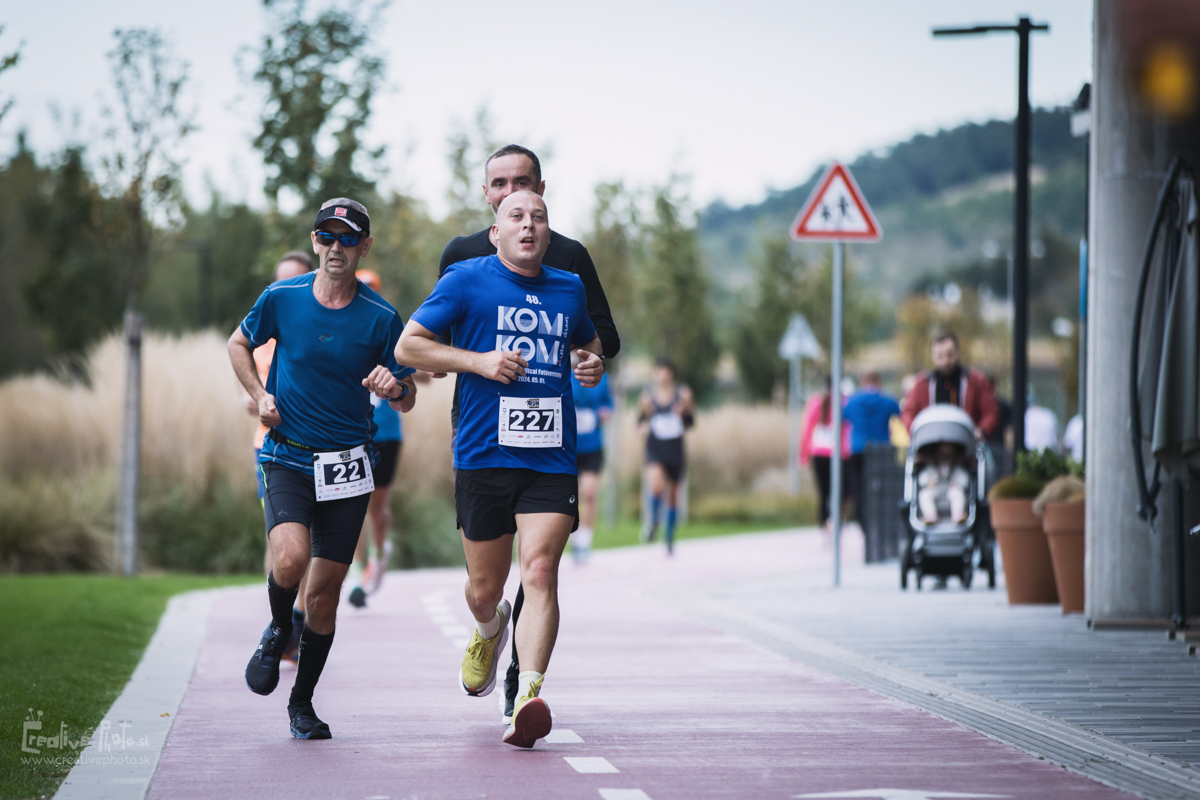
356 219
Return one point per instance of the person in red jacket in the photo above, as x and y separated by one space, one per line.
951 382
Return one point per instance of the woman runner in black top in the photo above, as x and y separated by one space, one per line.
665 412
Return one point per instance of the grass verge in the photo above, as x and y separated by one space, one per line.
67 649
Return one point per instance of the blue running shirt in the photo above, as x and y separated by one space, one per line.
489 307
588 402
321 357
388 421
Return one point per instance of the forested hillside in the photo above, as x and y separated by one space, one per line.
945 203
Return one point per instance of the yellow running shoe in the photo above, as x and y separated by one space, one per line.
531 718
478 673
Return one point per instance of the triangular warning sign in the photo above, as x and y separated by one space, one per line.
836 211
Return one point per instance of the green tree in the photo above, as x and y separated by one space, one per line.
143 152
7 62
73 289
467 150
779 293
860 307
320 76
677 320
612 243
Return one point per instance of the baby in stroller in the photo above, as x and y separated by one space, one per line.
943 480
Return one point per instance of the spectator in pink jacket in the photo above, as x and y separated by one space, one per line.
816 444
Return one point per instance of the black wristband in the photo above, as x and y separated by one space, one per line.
403 393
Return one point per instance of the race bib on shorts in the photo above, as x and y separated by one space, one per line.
530 422
345 473
666 426
585 420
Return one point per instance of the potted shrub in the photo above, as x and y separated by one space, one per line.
1061 507
1028 571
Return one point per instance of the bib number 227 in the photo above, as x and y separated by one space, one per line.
530 422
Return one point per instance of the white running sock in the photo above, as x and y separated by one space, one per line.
582 538
489 629
525 680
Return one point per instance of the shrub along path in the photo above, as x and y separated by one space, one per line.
655 694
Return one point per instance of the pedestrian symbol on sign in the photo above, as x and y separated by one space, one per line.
836 211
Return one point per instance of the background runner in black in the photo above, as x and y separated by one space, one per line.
665 411
510 169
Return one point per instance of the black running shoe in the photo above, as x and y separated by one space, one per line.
305 724
511 681
262 673
358 597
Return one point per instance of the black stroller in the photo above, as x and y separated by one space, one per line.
948 530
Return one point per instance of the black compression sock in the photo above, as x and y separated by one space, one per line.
314 649
281 604
516 613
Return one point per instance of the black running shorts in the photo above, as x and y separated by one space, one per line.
385 471
333 524
488 500
590 462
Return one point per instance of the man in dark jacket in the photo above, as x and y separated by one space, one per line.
950 382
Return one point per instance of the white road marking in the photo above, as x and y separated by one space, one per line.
590 764
564 736
455 631
623 794
898 794
460 643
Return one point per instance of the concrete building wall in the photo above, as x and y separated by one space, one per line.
1129 567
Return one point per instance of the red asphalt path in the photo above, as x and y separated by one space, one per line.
671 707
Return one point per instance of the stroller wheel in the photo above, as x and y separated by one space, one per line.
968 574
903 576
920 575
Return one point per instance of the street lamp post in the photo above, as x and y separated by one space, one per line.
1020 278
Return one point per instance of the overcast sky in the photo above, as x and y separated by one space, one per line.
740 96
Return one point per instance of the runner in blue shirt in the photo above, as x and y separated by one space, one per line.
593 407
869 412
335 341
517 328
371 562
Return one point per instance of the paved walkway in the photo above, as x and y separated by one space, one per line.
658 692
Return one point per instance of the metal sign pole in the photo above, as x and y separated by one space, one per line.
835 404
794 425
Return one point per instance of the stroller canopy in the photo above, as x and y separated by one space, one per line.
943 423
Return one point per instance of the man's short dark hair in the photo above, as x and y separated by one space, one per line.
947 336
296 255
515 150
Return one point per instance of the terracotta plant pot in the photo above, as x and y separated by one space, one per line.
1063 524
1028 573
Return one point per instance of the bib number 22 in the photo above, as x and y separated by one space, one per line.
346 473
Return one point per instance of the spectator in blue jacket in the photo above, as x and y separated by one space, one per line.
869 412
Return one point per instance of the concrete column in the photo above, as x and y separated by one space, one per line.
1128 567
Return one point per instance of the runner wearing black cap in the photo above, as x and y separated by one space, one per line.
514 168
335 343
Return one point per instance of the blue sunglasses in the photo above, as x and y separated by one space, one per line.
347 239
